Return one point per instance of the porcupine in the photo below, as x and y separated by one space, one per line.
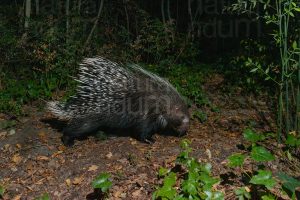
129 97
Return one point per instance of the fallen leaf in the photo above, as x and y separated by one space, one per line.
137 193
17 158
77 180
68 182
109 155
42 136
18 197
61 148
42 158
18 146
93 168
56 154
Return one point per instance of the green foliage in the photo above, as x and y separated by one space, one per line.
242 193
43 197
289 183
236 160
2 190
261 154
262 176
5 124
252 136
102 182
285 72
197 183
293 140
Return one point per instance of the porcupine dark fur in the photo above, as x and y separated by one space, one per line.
113 95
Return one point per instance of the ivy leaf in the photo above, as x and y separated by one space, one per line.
163 172
213 195
268 197
242 193
102 182
208 181
264 178
251 136
261 154
236 160
191 184
167 191
289 182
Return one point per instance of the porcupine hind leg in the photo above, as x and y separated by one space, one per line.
77 128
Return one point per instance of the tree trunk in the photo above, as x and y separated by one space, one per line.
37 7
27 14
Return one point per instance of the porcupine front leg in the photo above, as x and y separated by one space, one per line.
78 128
145 131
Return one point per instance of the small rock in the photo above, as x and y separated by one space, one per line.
12 132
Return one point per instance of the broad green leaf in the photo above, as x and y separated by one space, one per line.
236 160
268 197
206 168
163 172
102 182
292 140
242 193
294 45
253 70
208 181
297 9
179 197
2 190
170 180
251 136
211 195
264 178
289 182
218 195
43 197
261 154
190 185
167 191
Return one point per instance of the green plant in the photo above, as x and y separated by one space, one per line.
261 179
196 182
282 15
2 191
102 182
43 197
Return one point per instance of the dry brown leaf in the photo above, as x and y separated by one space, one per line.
77 180
68 182
42 136
18 197
93 168
137 193
61 148
109 155
42 158
18 146
56 154
17 158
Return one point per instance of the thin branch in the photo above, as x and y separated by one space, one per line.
95 25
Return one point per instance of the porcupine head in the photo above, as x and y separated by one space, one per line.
117 96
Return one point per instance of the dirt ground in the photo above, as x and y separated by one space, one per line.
34 160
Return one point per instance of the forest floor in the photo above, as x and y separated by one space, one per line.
34 161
